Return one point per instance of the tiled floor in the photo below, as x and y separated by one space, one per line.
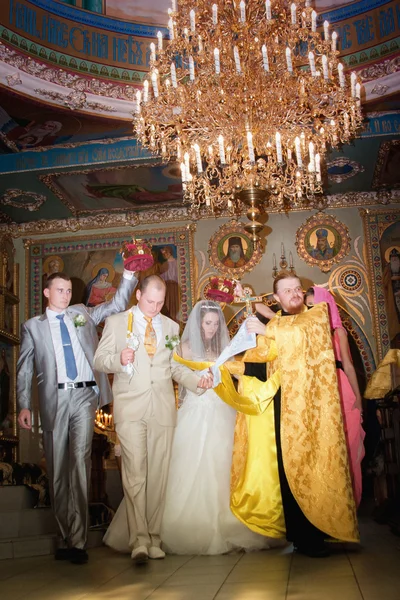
371 572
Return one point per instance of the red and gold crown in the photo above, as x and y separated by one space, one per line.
220 289
137 255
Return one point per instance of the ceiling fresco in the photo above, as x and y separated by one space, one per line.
66 145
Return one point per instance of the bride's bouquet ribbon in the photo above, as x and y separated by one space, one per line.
223 385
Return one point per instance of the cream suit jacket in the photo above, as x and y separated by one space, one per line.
151 382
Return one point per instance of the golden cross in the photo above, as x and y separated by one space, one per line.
248 299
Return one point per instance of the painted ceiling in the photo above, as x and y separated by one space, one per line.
68 77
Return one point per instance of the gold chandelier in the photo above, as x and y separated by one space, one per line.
249 98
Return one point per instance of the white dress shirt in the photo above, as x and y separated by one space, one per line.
85 373
141 324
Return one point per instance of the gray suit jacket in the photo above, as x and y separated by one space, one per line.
37 352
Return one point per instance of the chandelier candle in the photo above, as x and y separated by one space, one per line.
254 93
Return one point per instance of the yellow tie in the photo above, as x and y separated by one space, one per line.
150 338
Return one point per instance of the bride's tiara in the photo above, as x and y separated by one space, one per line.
207 306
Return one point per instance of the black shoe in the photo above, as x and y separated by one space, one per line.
63 554
78 556
313 551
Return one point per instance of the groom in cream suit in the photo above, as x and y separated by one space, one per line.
60 346
144 409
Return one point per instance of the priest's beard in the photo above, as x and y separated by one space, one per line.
235 256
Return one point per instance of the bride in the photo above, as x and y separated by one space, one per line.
197 518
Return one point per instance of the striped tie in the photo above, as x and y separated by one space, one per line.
150 338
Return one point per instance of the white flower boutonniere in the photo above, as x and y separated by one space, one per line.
79 321
172 342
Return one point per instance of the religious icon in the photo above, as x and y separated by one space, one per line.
231 250
322 241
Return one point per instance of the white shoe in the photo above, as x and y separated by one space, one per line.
156 553
140 555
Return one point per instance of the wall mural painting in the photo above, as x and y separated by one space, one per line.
118 188
95 267
382 243
387 167
151 11
231 250
24 126
322 241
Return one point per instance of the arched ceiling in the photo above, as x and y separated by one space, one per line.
68 78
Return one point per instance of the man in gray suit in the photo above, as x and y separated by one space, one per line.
60 344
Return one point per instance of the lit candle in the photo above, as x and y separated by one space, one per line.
198 158
325 67
154 82
192 16
265 57
174 6
341 75
334 40
210 153
326 30
200 44
334 136
278 146
152 52
242 6
183 172
298 152
313 21
145 90
217 63
173 75
318 167
358 91
289 154
171 28
130 321
308 3
293 13
311 155
187 165
289 60
237 59
214 14
191 68
250 146
312 63
221 149
353 81
159 38
138 101
268 9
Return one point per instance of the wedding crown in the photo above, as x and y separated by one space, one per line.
220 289
137 255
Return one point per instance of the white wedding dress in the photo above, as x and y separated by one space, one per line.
197 518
